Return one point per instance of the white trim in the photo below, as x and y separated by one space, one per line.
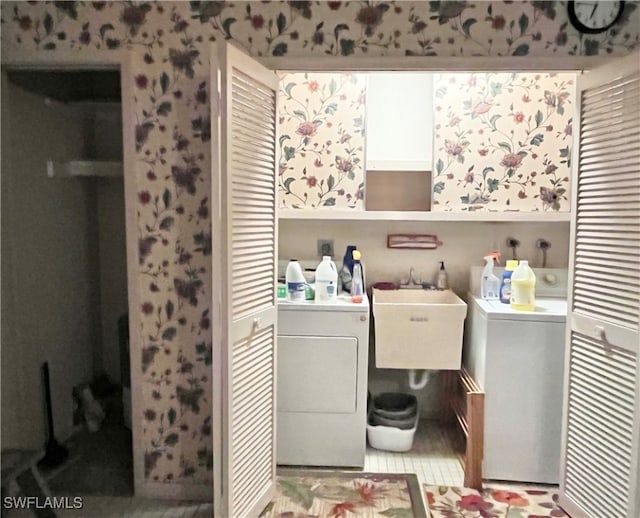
176 491
436 63
398 165
133 294
72 59
218 332
384 215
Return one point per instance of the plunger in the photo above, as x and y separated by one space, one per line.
54 453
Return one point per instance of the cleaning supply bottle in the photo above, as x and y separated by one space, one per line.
523 288
295 281
357 283
505 285
441 282
326 280
346 272
490 284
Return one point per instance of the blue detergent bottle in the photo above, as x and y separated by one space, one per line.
505 284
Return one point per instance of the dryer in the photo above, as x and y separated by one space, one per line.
322 357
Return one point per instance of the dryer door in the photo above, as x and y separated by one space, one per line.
317 374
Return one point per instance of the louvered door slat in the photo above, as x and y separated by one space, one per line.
246 280
246 232
595 439
253 168
252 416
621 156
249 131
611 288
608 276
601 423
253 203
622 176
618 114
247 117
602 450
614 200
600 101
602 97
612 489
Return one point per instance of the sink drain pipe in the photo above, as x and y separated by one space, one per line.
414 382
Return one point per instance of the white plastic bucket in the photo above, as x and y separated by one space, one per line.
390 438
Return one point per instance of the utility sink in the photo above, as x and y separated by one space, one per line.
418 329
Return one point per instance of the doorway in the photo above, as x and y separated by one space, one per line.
450 143
63 223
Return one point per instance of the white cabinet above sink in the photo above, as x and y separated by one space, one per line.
399 121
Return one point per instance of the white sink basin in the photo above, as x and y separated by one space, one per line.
418 329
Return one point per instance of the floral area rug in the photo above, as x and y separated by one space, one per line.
343 494
450 502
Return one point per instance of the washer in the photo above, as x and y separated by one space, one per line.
322 355
517 358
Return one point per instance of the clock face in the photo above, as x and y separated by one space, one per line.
593 17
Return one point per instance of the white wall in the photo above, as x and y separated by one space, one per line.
464 245
106 144
46 271
113 269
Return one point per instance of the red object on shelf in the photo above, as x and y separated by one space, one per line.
385 286
414 241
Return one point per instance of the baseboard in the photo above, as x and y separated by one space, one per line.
192 492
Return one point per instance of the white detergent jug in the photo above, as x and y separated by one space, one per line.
326 281
523 288
295 281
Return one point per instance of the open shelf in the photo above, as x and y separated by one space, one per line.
87 168
381 215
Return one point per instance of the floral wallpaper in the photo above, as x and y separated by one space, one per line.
502 141
321 140
170 42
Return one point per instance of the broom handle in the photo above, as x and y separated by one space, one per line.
47 395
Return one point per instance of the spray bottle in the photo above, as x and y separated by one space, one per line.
490 284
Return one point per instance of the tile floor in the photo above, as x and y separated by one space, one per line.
432 458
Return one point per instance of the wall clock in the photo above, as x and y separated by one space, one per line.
594 17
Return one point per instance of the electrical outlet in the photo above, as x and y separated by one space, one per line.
325 247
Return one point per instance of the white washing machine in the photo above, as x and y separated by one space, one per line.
517 358
322 356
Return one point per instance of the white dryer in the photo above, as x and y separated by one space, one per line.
322 355
517 358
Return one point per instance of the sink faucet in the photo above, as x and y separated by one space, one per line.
412 282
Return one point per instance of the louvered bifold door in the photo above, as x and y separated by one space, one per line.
602 393
246 236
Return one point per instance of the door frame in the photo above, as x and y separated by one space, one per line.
434 64
112 60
